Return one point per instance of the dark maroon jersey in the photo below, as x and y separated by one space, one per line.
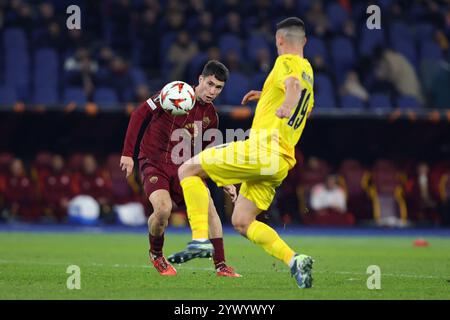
160 136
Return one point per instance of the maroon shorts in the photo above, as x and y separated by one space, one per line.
157 175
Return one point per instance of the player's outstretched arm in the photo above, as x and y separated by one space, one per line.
292 97
139 116
127 164
252 95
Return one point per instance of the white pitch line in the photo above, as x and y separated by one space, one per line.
95 264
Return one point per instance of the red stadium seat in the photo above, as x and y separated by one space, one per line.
355 179
387 194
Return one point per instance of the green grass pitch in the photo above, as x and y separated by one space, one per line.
115 266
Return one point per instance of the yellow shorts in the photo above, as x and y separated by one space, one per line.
259 170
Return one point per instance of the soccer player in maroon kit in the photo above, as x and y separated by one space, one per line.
159 168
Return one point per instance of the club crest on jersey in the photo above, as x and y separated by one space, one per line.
193 129
206 121
153 179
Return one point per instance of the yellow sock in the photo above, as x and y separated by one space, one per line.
197 202
264 236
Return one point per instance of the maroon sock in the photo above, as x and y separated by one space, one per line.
156 244
219 254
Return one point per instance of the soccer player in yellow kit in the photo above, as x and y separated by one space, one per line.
262 161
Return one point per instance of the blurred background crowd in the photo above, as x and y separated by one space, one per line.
128 49
314 193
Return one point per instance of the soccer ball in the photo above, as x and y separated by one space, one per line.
177 98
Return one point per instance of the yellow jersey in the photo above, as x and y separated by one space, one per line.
288 130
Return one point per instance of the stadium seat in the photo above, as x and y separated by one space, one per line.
138 77
430 50
14 38
369 39
407 102
355 177
316 47
380 101
350 101
324 96
343 56
47 95
406 48
337 15
237 86
399 31
17 71
423 31
7 96
74 94
106 98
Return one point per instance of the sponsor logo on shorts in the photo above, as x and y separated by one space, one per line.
153 179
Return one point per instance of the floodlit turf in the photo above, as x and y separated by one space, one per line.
115 266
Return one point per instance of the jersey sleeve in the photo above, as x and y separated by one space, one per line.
284 68
141 115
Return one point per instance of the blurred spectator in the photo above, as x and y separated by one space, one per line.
149 34
57 189
206 21
119 78
328 195
20 194
205 40
142 93
286 8
394 68
233 25
263 61
348 29
75 39
105 56
51 37
46 14
214 54
320 66
444 191
352 86
179 55
19 14
421 199
120 17
175 21
232 61
81 70
92 181
317 19
328 201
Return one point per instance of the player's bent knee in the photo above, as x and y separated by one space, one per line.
161 218
241 224
162 212
190 168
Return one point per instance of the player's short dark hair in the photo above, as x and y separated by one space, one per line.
216 69
291 22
